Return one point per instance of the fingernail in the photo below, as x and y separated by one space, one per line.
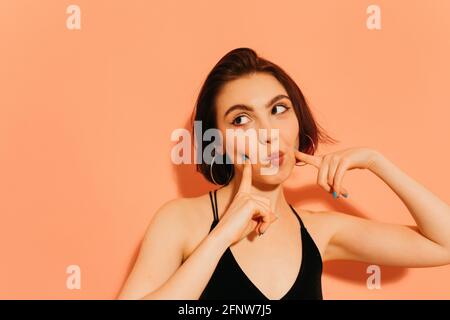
334 194
244 157
345 195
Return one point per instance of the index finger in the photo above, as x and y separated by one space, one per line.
246 180
309 159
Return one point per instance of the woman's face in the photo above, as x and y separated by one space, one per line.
259 101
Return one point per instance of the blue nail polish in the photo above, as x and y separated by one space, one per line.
334 194
244 157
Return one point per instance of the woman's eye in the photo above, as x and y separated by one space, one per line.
279 109
239 120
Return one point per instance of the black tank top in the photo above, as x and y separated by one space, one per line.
229 281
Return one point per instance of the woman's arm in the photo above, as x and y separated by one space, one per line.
159 272
428 244
189 281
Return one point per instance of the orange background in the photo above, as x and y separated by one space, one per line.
86 117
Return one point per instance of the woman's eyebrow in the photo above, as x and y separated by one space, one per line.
248 108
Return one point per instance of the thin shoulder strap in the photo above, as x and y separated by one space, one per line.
214 205
298 217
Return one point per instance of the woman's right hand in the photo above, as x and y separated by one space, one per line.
247 212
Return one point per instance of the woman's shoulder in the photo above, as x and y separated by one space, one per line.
320 226
311 216
320 219
188 218
186 208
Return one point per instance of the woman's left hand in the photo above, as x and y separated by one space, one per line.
332 166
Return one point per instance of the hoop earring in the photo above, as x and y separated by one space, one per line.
314 150
212 176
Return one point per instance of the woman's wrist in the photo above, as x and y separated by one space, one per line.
376 162
219 238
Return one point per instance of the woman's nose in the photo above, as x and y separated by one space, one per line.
267 134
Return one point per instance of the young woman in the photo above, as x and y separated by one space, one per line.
244 240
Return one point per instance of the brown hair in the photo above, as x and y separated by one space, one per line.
237 63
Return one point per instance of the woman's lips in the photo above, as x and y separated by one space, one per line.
276 158
279 160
